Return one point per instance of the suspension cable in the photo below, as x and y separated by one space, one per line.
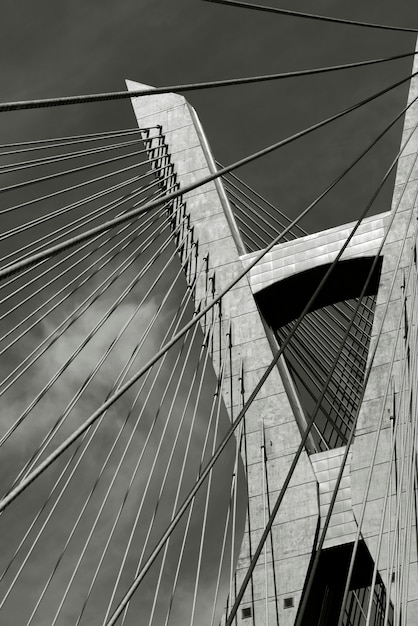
77 204
208 487
177 316
9 168
70 319
209 335
124 95
205 352
81 168
71 139
259 196
119 464
88 274
90 181
185 300
102 359
310 16
177 319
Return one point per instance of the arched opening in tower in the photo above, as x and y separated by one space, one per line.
328 352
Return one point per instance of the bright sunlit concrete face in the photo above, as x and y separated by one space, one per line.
293 257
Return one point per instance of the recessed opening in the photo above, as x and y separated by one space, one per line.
323 604
316 351
288 603
246 612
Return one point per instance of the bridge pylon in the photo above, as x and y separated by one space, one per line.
361 453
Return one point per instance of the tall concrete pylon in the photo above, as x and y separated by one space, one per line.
277 411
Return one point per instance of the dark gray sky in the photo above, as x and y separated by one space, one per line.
73 47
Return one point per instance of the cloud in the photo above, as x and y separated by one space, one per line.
48 551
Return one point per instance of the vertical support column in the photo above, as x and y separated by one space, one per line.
378 400
215 230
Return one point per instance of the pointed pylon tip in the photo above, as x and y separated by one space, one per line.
133 85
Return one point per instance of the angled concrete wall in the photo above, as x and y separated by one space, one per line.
383 377
398 380
210 215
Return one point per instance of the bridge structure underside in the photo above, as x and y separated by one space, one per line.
341 398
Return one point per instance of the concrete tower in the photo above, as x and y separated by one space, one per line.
277 417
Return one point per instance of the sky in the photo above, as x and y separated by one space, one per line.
69 48
51 49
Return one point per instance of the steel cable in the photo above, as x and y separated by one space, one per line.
232 82
69 320
53 159
201 371
100 362
119 464
90 181
178 316
173 325
77 283
208 488
69 140
311 16
86 218
74 170
208 335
